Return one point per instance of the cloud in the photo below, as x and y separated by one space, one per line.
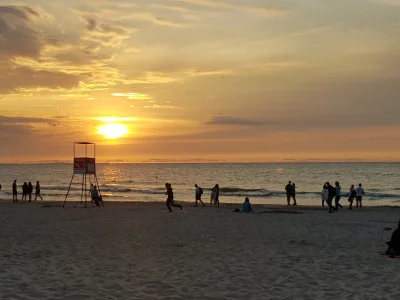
133 96
170 8
226 5
227 120
22 120
21 12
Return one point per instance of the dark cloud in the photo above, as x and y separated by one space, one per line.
27 78
22 120
227 120
22 12
17 38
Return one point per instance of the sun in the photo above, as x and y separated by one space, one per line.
113 131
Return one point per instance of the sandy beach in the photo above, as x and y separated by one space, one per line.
140 251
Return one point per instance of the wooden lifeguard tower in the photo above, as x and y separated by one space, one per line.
86 166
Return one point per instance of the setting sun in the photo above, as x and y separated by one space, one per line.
113 131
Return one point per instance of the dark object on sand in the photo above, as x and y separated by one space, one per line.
237 210
387 228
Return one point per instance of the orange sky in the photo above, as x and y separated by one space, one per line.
201 79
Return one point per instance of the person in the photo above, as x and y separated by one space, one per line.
247 208
352 195
96 198
24 191
213 195
294 193
170 198
37 191
15 192
337 196
30 191
331 195
217 195
290 192
394 243
359 194
324 195
198 193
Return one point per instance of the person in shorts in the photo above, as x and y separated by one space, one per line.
15 192
359 194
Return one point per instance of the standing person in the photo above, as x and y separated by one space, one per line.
24 191
199 192
359 193
15 192
37 191
294 193
331 195
324 195
30 191
217 195
337 196
213 195
170 199
289 192
352 195
247 208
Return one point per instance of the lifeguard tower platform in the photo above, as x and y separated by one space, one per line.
84 165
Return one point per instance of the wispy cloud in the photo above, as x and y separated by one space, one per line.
227 5
133 96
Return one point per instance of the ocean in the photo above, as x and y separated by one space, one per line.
262 183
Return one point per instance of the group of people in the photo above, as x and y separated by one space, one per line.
330 192
95 195
27 190
214 197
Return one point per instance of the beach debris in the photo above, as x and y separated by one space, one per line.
387 228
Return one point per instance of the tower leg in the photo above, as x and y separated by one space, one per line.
68 190
83 180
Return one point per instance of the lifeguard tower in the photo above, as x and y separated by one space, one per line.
86 166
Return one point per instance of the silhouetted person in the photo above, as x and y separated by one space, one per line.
24 191
213 195
198 193
15 192
247 208
96 196
30 191
394 243
337 196
359 194
37 191
352 195
170 198
217 195
290 192
331 195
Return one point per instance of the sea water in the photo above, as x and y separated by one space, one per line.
262 183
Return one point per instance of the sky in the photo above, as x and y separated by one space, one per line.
200 80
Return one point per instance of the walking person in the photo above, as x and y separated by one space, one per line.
294 193
359 194
352 195
324 195
198 193
170 198
24 191
37 191
30 191
15 192
331 195
337 196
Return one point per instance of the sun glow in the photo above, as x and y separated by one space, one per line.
113 131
